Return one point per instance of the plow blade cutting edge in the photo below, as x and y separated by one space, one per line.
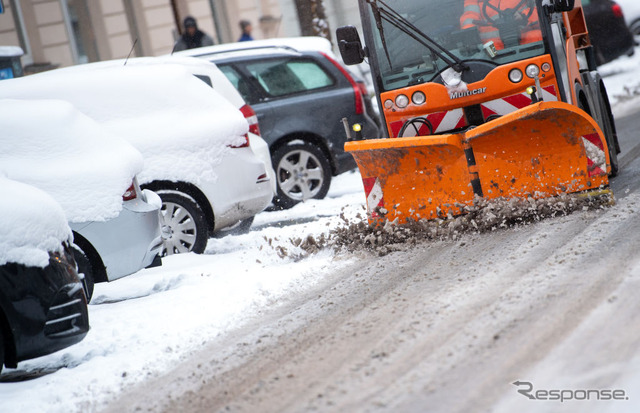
543 150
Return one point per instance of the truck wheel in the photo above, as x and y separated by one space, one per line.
606 129
85 268
184 227
302 172
609 130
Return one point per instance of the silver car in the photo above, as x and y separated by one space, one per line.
92 175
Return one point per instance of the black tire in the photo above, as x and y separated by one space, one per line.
85 268
184 227
635 30
609 130
302 172
240 228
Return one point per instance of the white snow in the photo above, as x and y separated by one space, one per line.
622 82
180 125
32 225
11 51
52 146
144 324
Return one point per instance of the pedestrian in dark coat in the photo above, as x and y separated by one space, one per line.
192 37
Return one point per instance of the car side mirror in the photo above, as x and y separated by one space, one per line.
563 5
350 45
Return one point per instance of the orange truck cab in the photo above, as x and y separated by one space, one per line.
487 98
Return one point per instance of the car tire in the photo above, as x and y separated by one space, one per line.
635 30
184 227
302 172
85 268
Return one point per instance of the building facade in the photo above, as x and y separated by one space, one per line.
57 33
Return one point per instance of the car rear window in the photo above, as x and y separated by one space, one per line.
240 83
285 77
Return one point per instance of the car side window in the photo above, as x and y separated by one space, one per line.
281 77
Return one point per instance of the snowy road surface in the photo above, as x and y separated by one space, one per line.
444 326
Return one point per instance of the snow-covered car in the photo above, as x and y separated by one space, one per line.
194 143
43 307
210 74
92 175
631 11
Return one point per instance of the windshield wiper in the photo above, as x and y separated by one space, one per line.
376 14
391 16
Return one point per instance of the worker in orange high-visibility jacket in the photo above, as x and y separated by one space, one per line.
491 23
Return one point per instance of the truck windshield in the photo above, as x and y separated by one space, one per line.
416 40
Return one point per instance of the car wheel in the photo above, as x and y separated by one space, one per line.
302 172
184 227
85 268
635 30
240 228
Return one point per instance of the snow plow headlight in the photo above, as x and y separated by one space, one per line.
388 104
402 101
532 71
515 75
546 67
418 98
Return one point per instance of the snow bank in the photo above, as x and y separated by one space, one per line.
52 146
181 125
32 225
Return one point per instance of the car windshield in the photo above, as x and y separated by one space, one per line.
415 40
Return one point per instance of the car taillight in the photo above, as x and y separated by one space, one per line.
356 89
251 118
130 193
617 10
244 144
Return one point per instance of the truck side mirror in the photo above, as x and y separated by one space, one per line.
350 45
563 5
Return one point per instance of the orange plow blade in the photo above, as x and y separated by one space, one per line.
540 151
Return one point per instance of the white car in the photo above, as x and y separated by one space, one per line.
631 10
194 143
209 73
92 175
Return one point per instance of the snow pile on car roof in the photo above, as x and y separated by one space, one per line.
32 225
181 125
52 146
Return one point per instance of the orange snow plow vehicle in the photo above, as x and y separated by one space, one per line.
481 98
